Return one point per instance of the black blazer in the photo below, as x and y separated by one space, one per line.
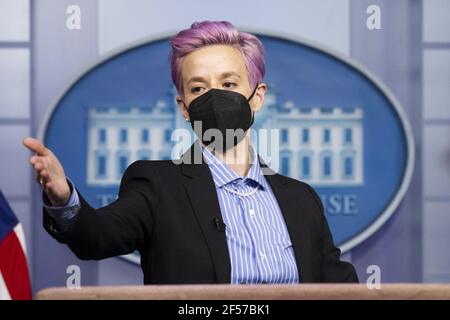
168 212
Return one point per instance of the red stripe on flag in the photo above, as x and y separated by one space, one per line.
14 268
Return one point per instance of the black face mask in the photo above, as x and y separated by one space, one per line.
221 110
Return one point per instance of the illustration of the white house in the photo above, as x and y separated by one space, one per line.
321 146
318 145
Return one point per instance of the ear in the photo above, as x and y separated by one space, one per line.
258 99
182 106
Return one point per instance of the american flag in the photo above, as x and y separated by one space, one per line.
14 277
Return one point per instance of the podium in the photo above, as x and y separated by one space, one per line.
252 292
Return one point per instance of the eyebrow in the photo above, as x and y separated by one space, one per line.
222 76
230 73
196 79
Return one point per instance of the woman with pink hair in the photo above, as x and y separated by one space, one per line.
224 217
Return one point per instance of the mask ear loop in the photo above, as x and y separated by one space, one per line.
253 93
187 108
250 98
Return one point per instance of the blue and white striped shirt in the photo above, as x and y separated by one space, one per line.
258 241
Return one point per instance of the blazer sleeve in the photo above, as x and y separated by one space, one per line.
118 228
332 268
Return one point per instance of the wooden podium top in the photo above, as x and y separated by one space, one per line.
252 292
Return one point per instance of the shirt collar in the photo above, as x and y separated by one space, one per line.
222 174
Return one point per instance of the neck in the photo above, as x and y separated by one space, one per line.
238 157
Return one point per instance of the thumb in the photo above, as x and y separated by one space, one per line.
36 146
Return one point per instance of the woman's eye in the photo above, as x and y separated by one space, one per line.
229 85
196 90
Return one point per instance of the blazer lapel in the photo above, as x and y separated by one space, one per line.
202 194
293 211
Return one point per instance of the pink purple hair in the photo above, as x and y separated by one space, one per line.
205 33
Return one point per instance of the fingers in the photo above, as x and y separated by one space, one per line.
49 172
39 161
36 146
44 174
40 166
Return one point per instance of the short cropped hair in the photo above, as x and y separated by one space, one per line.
205 33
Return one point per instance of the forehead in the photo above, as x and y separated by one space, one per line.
212 61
